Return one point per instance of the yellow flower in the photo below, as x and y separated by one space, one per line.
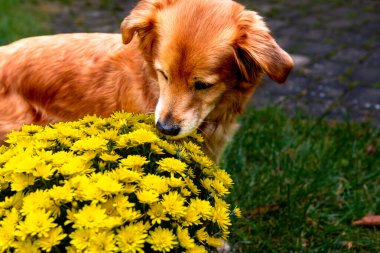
168 147
192 217
136 138
108 185
90 143
221 215
173 204
87 189
129 214
190 184
202 207
202 235
7 229
31 129
76 165
197 249
26 246
126 175
192 147
54 237
113 186
147 196
162 239
81 238
121 201
109 157
38 223
93 216
203 160
61 194
103 241
171 165
184 238
131 238
237 212
224 177
156 149
214 242
21 180
174 182
43 170
135 162
157 214
36 201
154 182
220 189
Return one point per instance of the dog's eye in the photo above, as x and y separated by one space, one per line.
201 85
163 74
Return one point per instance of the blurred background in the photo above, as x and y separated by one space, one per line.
306 162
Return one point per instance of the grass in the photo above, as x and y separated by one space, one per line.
21 18
301 182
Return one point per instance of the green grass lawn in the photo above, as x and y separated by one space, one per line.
21 18
301 182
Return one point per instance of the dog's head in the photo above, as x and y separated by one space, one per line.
203 51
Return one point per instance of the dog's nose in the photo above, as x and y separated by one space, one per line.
168 129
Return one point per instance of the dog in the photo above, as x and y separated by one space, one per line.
194 64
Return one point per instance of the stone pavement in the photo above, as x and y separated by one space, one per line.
335 43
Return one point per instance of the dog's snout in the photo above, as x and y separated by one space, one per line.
168 129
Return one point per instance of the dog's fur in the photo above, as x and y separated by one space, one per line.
194 63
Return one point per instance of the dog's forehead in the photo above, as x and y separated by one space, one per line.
196 35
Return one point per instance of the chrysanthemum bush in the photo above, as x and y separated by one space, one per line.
110 185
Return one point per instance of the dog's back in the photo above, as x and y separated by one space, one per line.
63 77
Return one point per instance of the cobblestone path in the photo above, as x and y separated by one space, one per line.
336 46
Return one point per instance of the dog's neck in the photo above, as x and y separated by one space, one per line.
221 124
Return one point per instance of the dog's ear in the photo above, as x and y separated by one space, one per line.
142 19
257 51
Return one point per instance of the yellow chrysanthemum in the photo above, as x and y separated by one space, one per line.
109 157
37 223
90 143
197 249
162 239
26 246
36 201
202 207
53 238
81 238
184 238
103 241
214 242
126 175
110 184
62 194
223 177
173 204
93 216
135 162
131 238
154 182
147 196
21 180
171 165
157 214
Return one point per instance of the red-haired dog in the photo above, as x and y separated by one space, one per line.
193 63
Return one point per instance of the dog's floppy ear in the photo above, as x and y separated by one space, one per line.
142 19
256 50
